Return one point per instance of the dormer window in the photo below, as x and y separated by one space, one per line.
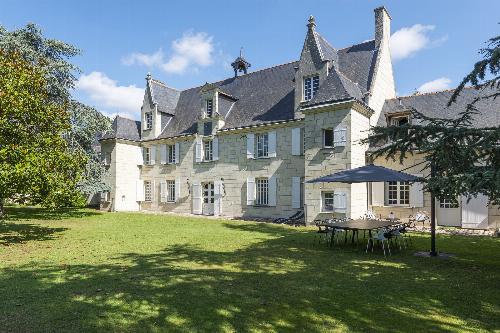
311 86
399 120
210 108
148 117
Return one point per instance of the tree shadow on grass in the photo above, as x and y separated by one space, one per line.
15 233
282 284
17 213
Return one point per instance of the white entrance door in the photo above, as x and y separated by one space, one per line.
208 198
475 212
448 213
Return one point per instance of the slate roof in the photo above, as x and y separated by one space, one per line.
262 96
435 105
165 97
124 128
336 87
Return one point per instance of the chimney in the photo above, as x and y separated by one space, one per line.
382 26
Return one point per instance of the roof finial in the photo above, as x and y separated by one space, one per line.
241 52
148 76
312 22
240 64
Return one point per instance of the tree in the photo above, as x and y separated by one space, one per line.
465 160
86 122
35 162
462 159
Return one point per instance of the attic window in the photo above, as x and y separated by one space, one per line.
311 86
210 108
149 120
399 120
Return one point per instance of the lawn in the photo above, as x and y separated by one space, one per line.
85 271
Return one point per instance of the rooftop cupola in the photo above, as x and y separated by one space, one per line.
240 64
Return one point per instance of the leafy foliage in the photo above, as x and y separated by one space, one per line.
465 159
35 162
86 122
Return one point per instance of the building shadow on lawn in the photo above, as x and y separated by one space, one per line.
268 286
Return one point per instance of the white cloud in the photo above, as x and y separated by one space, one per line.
407 41
107 94
192 49
442 83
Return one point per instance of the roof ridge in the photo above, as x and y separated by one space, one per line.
431 93
364 42
127 118
163 84
257 71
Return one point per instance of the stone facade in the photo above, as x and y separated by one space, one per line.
349 103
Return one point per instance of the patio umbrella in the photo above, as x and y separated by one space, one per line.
369 173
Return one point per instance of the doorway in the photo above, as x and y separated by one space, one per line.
208 198
449 213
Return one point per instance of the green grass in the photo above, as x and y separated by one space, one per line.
84 271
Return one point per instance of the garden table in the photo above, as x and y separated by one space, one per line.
360 224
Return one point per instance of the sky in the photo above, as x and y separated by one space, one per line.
187 43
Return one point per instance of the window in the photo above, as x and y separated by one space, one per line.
262 145
107 158
171 154
170 191
302 192
398 193
328 202
149 120
148 191
208 150
448 203
262 186
147 157
210 108
311 86
328 138
105 196
399 121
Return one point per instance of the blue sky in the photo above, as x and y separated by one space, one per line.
187 43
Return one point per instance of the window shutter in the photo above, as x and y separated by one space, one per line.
177 189
215 149
475 212
339 137
272 144
272 191
163 191
199 150
250 144
340 200
103 196
163 154
144 122
140 156
153 194
250 191
417 194
153 155
146 162
378 194
176 153
196 191
139 188
296 192
217 197
296 141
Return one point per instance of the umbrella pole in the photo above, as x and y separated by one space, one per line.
367 196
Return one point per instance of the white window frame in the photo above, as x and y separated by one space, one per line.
170 187
324 138
148 118
209 108
208 150
394 121
171 154
148 191
261 191
310 87
397 193
324 205
106 197
449 203
262 143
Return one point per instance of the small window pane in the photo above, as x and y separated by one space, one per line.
149 120
262 145
328 201
207 146
210 107
171 153
328 138
262 185
148 191
170 191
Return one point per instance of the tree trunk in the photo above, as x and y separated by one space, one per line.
2 212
